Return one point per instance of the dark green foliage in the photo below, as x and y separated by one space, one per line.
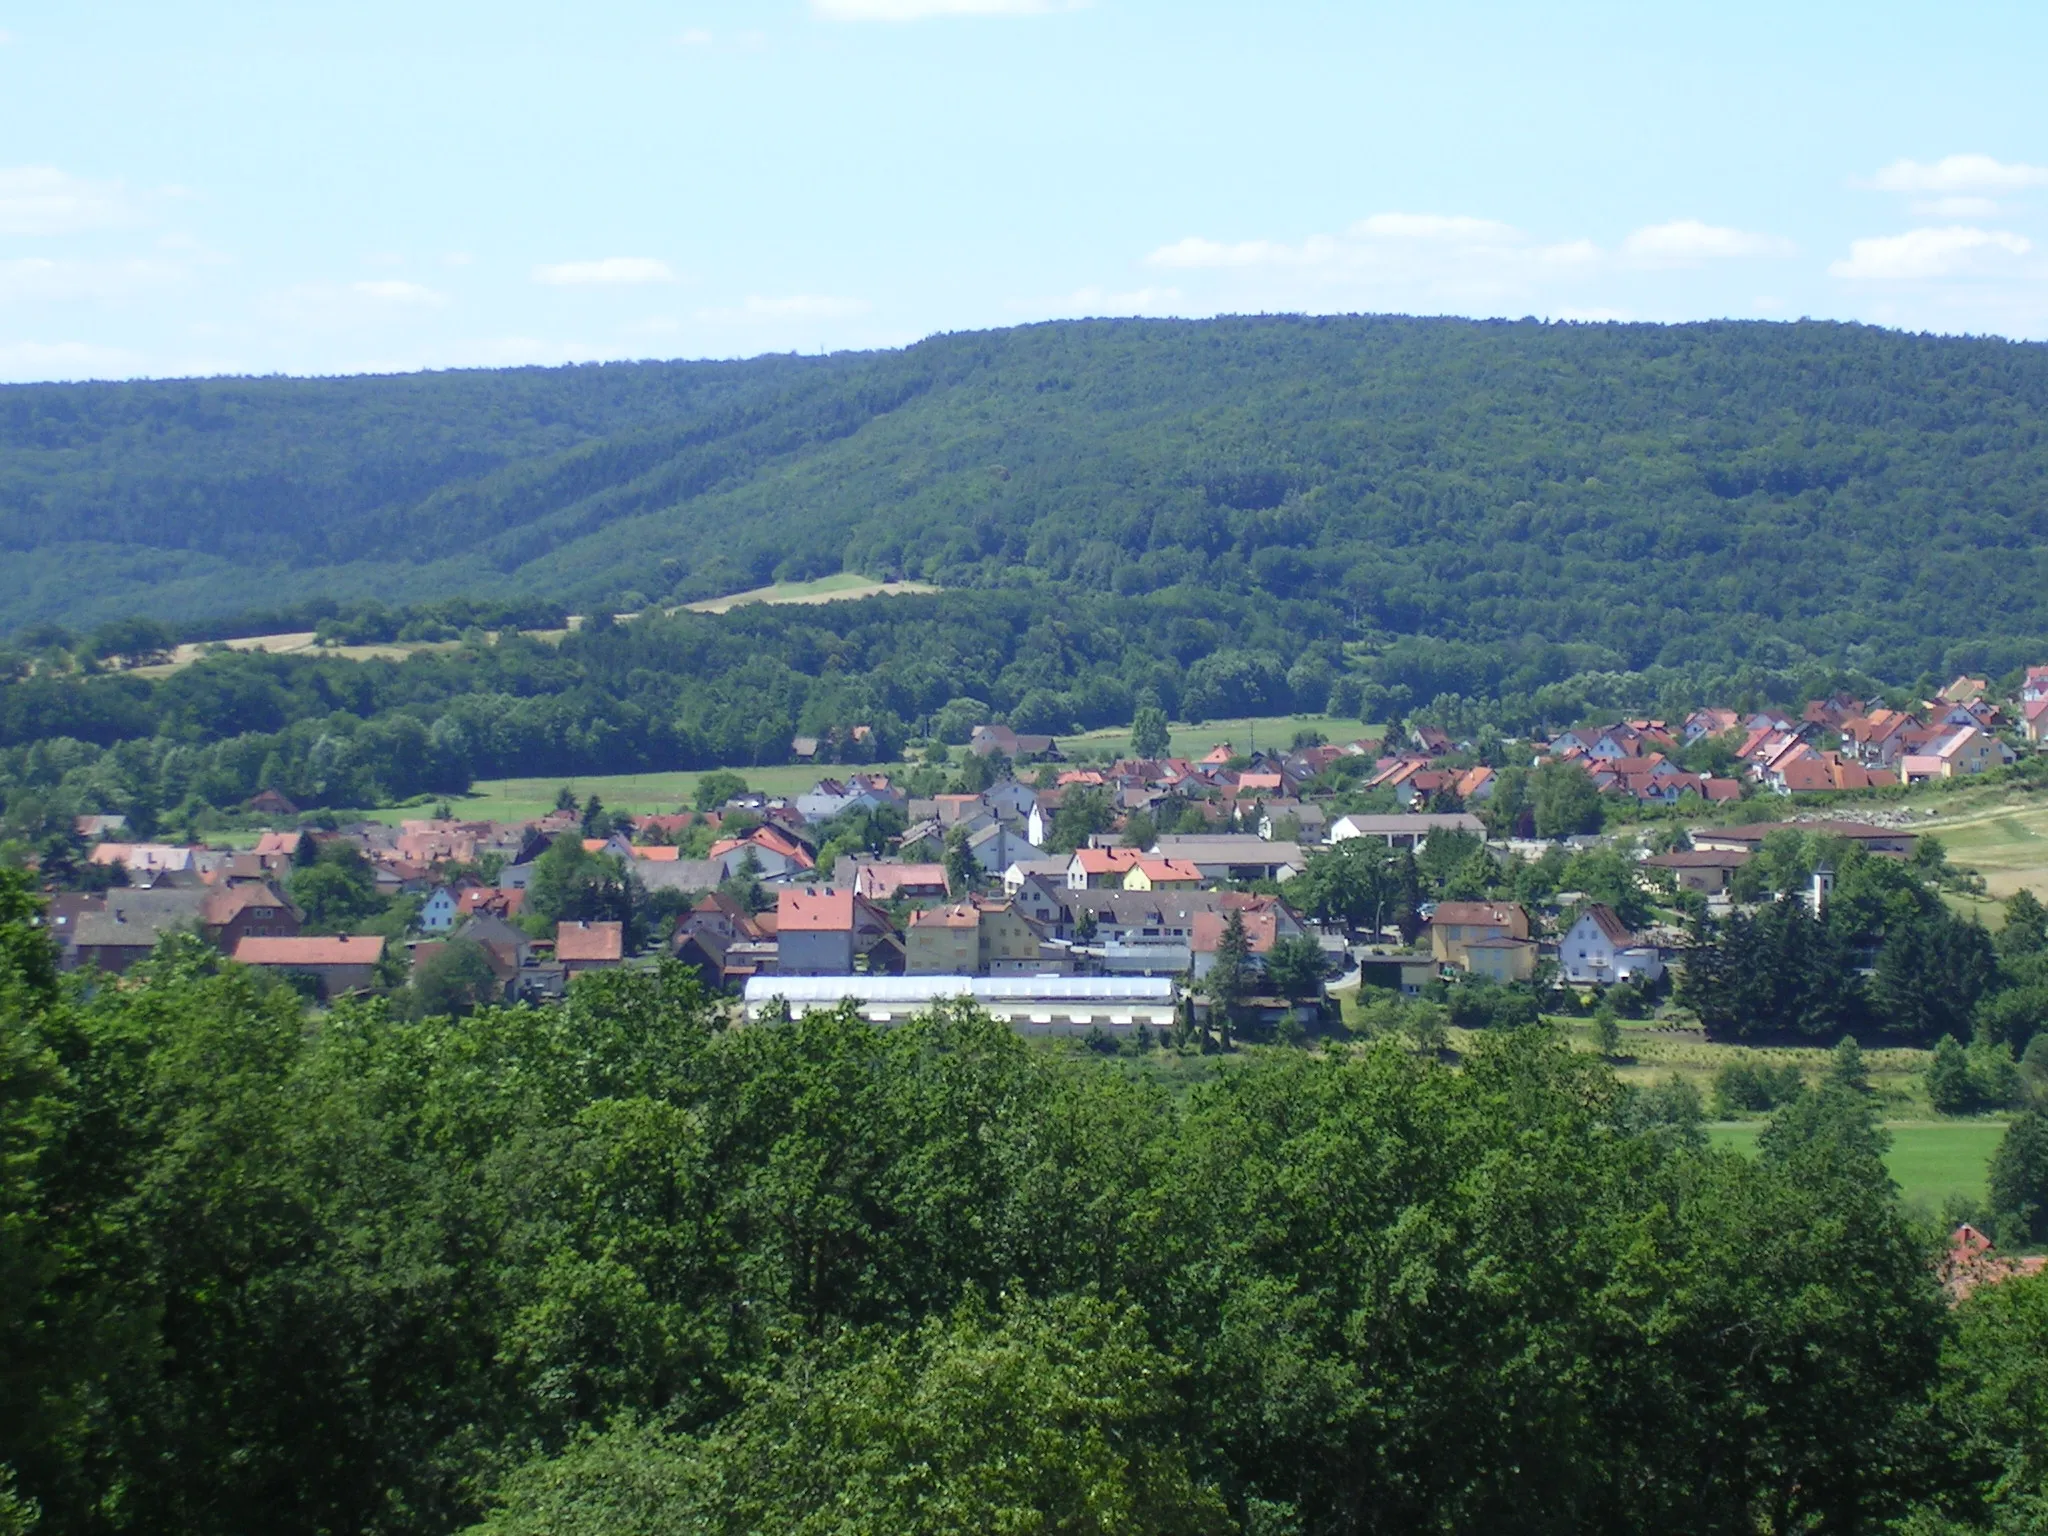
1563 801
337 891
630 1271
2019 1178
1754 1087
1294 967
1949 1088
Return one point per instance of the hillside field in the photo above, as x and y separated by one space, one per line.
1931 1160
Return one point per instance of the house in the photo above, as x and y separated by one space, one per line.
2034 719
507 948
986 739
1095 869
1502 960
996 847
269 802
1973 1260
589 946
1311 821
821 932
438 913
1043 898
1812 770
1747 839
1153 874
1011 944
97 828
679 874
343 963
1020 870
1031 1005
230 913
1261 929
804 748
1233 856
472 899
1009 801
1456 924
887 882
1405 831
128 924
779 855
1965 690
1705 870
1600 949
943 941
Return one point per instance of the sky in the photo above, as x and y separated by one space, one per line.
195 188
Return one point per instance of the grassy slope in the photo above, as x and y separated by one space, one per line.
1931 1160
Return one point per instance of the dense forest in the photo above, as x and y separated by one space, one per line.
606 1268
1675 495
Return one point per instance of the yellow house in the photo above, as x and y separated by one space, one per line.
1501 960
1455 926
1008 943
1150 874
943 941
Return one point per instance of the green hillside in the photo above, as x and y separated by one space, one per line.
1706 492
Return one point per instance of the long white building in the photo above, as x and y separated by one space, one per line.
1031 1005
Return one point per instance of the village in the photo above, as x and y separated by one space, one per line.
1052 896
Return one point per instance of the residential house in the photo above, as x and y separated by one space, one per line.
780 856
341 963
2034 719
254 909
1233 856
438 913
496 899
96 828
1011 944
1747 839
683 874
1454 925
128 924
1959 753
268 802
1599 948
1813 770
821 932
590 946
996 847
508 949
1009 801
943 941
1501 960
1311 822
1153 874
1965 689
1095 869
1261 930
1031 1005
887 882
1042 896
1705 870
986 739
1020 870
1405 831
2035 685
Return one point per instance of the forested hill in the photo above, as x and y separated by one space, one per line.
1673 493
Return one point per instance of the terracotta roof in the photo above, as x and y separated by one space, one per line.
590 941
657 853
1168 870
1605 919
960 915
1105 861
1261 927
826 911
1475 914
341 949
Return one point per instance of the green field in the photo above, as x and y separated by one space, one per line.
1931 1159
842 587
2007 843
1262 731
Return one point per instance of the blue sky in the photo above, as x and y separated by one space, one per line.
189 188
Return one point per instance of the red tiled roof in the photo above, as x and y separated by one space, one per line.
342 949
1261 928
826 911
590 941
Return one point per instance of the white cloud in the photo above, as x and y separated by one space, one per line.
1955 207
1957 250
918 10
611 269
398 291
6 38
1959 173
42 200
1688 242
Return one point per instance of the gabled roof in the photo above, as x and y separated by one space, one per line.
340 949
1608 922
1104 861
1476 914
963 914
590 941
1261 928
820 911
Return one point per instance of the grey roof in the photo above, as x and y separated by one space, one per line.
931 989
139 918
680 874
1228 848
1424 822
